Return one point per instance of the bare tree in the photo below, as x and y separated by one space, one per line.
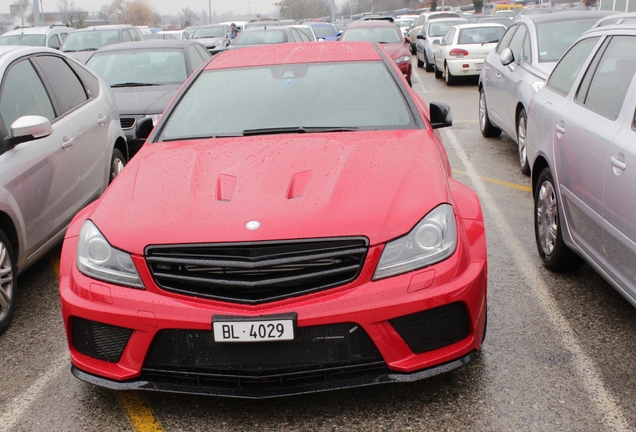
299 9
188 17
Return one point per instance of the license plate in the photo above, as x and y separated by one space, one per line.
253 329
478 66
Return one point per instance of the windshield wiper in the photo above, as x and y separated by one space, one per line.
289 130
496 40
133 84
88 49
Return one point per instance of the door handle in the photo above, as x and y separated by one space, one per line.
618 163
102 120
498 75
67 142
560 128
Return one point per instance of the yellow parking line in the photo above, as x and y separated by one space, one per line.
140 414
499 182
55 262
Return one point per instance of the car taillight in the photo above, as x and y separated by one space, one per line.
458 52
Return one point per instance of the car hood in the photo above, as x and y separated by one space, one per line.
144 100
396 50
209 41
376 184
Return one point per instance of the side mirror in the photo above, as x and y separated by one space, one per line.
144 128
28 128
506 57
441 115
407 40
421 36
339 34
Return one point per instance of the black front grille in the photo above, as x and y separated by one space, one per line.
316 347
127 122
433 328
98 340
256 272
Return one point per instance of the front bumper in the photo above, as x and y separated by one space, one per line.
375 306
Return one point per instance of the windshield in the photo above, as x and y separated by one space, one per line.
209 32
323 95
439 28
322 31
260 37
156 66
23 39
90 40
554 38
372 34
403 23
480 35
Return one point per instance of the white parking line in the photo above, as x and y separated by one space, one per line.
583 365
19 406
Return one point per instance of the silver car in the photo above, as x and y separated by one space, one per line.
519 66
63 146
582 150
432 33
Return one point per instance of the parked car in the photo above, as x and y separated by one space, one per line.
216 38
62 146
619 18
507 22
284 247
144 77
307 30
159 36
387 34
262 23
520 64
431 36
83 43
326 31
418 25
267 36
178 34
463 50
404 24
48 36
581 135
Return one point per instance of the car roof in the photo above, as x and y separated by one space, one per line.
371 23
480 25
36 30
107 27
563 16
148 44
293 53
625 28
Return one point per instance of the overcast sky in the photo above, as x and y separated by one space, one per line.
170 7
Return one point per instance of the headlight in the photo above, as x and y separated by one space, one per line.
432 240
155 118
402 59
96 258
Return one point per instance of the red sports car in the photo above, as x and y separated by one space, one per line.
386 33
291 225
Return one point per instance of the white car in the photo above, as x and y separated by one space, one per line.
464 48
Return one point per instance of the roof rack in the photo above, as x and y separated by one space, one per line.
21 27
59 25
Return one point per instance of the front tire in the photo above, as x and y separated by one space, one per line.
522 120
8 282
413 49
420 63
117 163
547 227
487 129
438 73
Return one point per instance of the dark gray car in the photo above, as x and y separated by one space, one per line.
144 77
518 67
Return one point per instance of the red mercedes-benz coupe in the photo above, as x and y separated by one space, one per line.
291 225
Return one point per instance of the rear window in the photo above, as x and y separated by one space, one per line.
360 95
145 66
23 39
209 32
90 40
372 34
480 35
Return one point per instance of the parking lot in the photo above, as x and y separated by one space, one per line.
558 354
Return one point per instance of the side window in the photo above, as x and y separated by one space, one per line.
91 84
204 53
67 89
565 72
611 79
448 37
136 35
527 50
23 94
302 36
505 39
125 37
517 42
195 57
63 36
54 42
